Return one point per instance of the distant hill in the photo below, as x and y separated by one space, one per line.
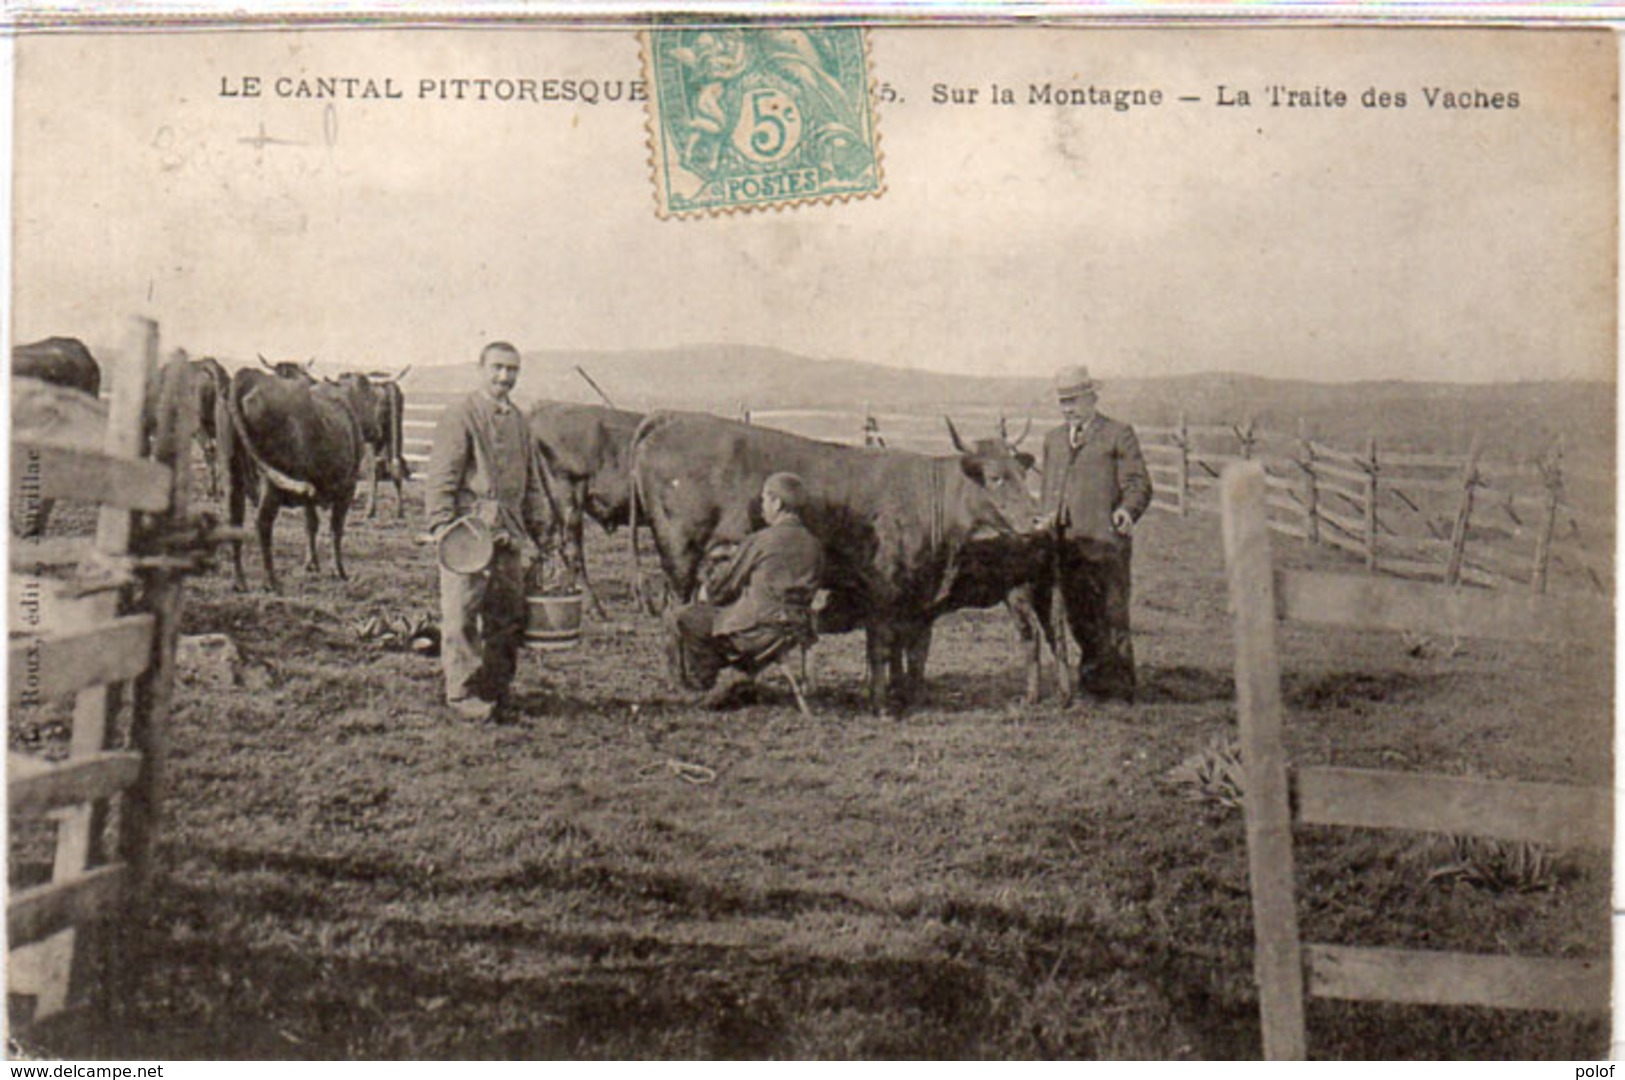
1515 420
719 378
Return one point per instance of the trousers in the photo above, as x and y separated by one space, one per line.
697 656
482 619
1096 589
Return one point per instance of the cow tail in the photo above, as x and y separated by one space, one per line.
272 473
397 420
237 469
638 591
635 486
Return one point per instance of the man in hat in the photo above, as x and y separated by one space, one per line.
1095 489
484 465
759 603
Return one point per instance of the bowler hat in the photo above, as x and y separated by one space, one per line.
1073 381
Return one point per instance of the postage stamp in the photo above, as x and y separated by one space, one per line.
749 117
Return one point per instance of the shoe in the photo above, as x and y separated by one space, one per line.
472 708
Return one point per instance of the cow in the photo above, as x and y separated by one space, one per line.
299 444
896 526
585 451
209 384
291 369
1018 572
63 362
60 361
388 454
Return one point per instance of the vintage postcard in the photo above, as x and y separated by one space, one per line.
725 538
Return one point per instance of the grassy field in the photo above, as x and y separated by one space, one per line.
348 871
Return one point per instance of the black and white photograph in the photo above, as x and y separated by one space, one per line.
688 537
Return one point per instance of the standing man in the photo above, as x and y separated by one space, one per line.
759 602
1095 489
484 465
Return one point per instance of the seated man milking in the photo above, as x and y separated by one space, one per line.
759 603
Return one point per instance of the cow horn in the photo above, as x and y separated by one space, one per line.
1023 435
310 365
402 374
959 444
266 362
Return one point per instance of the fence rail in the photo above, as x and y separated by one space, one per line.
1454 518
1451 518
73 641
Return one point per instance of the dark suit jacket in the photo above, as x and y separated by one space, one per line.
770 580
1083 485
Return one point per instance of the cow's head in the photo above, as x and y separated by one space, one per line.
291 369
370 404
999 501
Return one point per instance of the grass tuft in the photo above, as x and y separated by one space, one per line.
1213 774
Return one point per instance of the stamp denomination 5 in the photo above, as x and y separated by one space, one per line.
742 117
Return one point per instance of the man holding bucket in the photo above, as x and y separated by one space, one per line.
484 494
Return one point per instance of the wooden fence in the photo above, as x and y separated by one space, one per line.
417 428
93 621
1452 518
1286 968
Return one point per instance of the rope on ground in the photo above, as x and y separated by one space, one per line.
686 771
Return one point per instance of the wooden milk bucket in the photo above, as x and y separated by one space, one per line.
553 622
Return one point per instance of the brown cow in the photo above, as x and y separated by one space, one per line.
299 444
585 449
896 526
59 361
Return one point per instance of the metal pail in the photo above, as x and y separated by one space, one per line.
466 546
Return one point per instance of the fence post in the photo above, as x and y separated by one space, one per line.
1370 466
1551 475
1247 437
1464 514
1277 954
1311 493
1183 441
153 693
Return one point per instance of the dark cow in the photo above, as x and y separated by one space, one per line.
586 451
1018 572
60 361
298 444
896 526
291 369
209 385
389 452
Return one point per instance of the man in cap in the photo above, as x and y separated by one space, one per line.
1095 489
759 602
484 465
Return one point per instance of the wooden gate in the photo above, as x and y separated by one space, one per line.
1277 796
93 622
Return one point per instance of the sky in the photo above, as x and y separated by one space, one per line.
1321 243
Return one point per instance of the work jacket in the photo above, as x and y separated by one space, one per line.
770 580
485 463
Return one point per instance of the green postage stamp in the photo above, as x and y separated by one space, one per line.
750 116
